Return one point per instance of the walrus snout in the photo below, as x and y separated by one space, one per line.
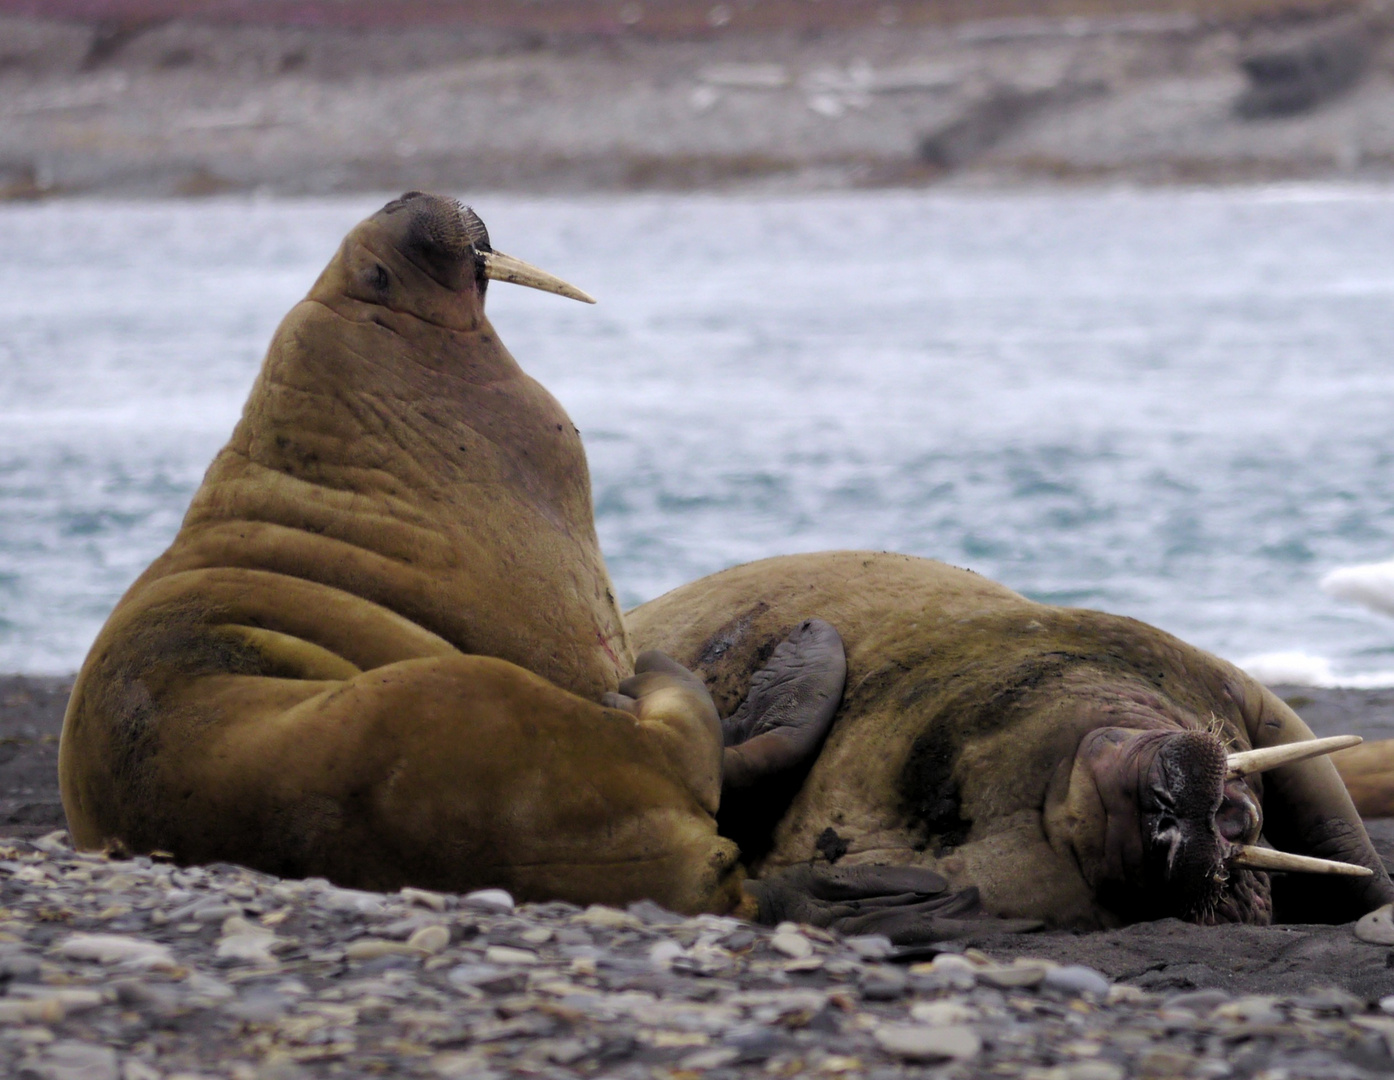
1180 804
451 243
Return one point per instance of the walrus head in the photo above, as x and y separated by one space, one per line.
1166 823
431 255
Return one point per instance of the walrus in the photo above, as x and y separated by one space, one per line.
1368 772
383 647
1073 767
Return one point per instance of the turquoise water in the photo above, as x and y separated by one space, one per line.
1174 405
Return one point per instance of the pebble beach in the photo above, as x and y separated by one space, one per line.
138 969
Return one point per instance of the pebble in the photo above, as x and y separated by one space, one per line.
303 980
1076 979
913 1043
113 949
1377 927
792 944
430 939
496 901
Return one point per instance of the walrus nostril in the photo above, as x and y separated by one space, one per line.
1191 773
474 228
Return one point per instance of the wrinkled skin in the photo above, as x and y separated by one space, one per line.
376 649
1066 764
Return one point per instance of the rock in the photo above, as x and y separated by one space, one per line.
349 901
608 917
1252 1009
246 943
1076 979
942 1013
376 948
424 898
884 983
69 1060
505 954
1199 1002
430 939
494 901
1092 1070
871 946
792 944
1021 974
258 1007
651 914
663 953
953 1042
1377 927
115 949
717 1057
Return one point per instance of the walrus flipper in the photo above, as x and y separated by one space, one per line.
786 715
910 905
1308 810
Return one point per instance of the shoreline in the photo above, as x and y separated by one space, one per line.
161 106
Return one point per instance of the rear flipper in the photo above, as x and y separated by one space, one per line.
908 904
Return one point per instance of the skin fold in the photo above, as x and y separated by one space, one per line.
1038 754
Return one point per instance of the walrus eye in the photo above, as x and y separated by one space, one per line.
377 277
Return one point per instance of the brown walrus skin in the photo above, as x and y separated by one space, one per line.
1039 754
1368 772
376 648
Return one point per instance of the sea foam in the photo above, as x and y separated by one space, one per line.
1371 585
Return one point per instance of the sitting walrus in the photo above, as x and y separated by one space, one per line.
1074 767
378 646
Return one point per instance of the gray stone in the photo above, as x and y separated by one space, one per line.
884 983
1077 979
75 1061
1199 1002
1377 927
954 1042
491 900
871 946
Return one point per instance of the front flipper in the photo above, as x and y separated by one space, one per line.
782 721
908 904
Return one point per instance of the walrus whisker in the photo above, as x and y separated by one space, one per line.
1248 762
501 267
1257 858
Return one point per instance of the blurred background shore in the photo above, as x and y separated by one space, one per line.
169 97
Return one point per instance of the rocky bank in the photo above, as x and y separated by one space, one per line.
124 97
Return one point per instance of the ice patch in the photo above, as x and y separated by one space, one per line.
1303 669
1370 584
1289 669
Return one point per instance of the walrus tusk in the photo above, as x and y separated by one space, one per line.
1248 762
1258 858
503 267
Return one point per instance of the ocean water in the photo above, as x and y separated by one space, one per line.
1170 404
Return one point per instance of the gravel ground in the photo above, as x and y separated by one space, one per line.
138 969
135 969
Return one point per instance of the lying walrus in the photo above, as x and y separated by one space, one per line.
1075 767
377 648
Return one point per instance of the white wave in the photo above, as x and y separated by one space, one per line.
1371 584
1296 668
